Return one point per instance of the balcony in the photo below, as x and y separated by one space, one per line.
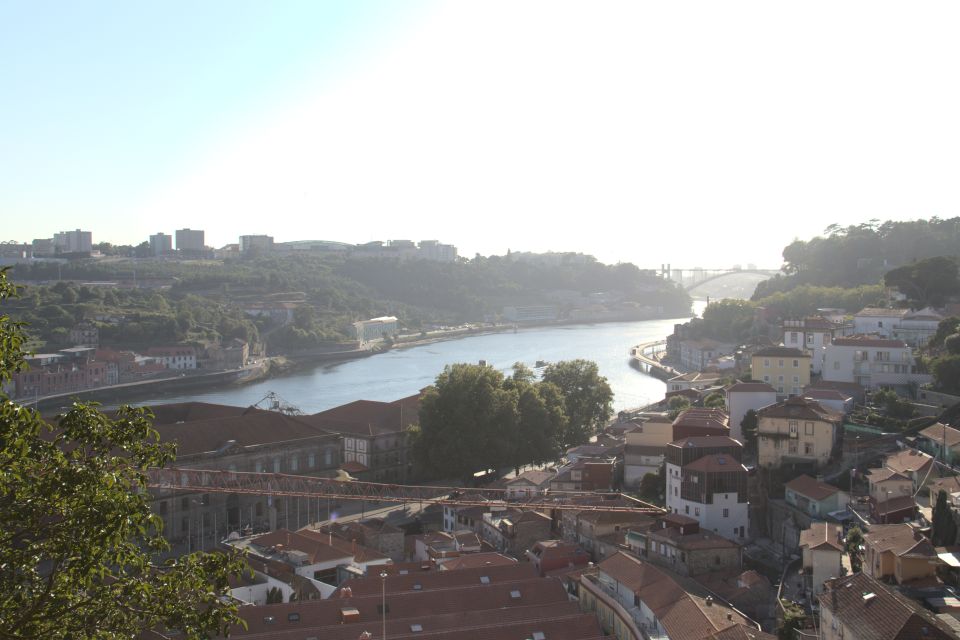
630 617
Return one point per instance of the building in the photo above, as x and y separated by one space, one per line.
879 322
698 421
552 555
492 602
707 482
434 250
796 430
917 327
677 543
742 397
73 242
871 362
913 464
898 552
693 380
175 357
65 371
160 244
529 484
833 400
375 436
250 245
584 475
891 496
220 437
530 313
822 548
811 335
85 334
514 531
941 441
375 328
646 445
602 533
816 499
695 355
786 369
635 600
190 240
374 533
859 607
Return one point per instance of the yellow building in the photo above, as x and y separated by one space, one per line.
796 430
784 368
898 551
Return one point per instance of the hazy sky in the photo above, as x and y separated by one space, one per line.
701 133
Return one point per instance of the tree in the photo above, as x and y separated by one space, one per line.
946 373
715 400
946 327
749 427
677 405
653 486
76 531
927 282
944 526
852 546
588 399
952 344
466 420
541 419
793 617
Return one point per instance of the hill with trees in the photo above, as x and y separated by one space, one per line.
201 300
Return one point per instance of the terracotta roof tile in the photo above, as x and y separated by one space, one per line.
811 488
822 535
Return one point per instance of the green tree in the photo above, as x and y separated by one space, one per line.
749 427
852 546
715 400
541 419
946 373
927 282
677 405
793 617
729 320
952 344
588 399
76 531
944 526
946 327
653 486
467 418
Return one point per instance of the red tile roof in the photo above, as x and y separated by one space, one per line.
750 387
780 352
369 417
715 463
869 341
811 488
822 535
799 408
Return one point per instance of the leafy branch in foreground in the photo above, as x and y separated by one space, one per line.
77 537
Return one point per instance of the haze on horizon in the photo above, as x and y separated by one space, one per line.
702 134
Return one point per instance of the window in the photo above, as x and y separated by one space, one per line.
808 448
276 465
794 425
687 508
696 511
258 466
780 363
766 378
294 463
312 461
796 364
796 379
836 364
808 428
793 336
726 513
766 363
779 378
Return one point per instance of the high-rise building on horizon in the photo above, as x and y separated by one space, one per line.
190 240
161 243
76 241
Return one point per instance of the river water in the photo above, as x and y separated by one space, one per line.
403 372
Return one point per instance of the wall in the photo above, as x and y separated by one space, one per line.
787 375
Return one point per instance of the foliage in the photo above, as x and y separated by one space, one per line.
946 373
852 546
946 327
927 282
793 617
677 405
804 300
466 420
944 526
896 407
588 399
653 487
952 344
76 531
750 426
275 595
729 320
856 255
715 400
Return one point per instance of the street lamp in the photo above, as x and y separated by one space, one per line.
383 603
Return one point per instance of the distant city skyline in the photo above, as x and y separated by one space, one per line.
695 134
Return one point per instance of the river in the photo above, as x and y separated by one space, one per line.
403 372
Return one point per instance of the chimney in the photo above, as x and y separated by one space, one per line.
709 601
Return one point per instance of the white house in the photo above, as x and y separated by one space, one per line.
529 484
645 447
744 396
881 322
811 335
871 362
917 327
178 357
822 548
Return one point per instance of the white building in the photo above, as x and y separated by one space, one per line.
881 322
822 546
811 335
917 327
695 355
646 445
375 328
871 362
744 396
707 482
174 357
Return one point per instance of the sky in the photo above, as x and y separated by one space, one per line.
695 133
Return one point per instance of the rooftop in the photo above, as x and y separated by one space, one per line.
822 535
715 463
878 613
908 461
799 408
877 312
876 476
869 341
899 539
369 417
750 387
940 432
811 488
780 352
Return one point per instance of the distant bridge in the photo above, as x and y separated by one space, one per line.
731 272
